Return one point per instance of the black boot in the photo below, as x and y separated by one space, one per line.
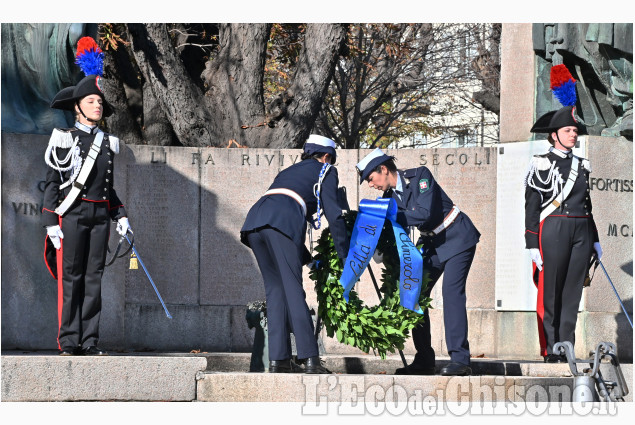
314 365
93 350
415 369
555 358
70 351
280 366
456 369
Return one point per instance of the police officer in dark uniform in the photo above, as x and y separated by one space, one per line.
79 202
449 240
275 230
560 234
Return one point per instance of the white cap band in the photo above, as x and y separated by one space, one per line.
361 166
320 140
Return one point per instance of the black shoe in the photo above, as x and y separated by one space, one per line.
93 350
69 352
456 369
314 365
555 358
415 369
280 366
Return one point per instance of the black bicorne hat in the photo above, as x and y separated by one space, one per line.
91 84
554 120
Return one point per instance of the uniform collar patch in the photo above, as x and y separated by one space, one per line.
560 153
423 185
85 128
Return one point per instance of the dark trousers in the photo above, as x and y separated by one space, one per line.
455 271
280 263
86 229
566 246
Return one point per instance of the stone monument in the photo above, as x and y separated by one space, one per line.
37 62
600 58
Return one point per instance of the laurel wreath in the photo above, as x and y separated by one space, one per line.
383 327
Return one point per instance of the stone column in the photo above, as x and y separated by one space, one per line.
517 83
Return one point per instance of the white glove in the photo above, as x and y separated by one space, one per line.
598 249
123 226
378 256
55 234
534 253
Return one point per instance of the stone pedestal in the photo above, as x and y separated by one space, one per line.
517 83
186 207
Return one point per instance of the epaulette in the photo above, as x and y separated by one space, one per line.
540 162
586 164
410 173
61 138
114 143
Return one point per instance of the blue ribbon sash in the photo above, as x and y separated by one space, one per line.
368 225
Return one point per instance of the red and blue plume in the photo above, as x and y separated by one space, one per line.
563 85
89 57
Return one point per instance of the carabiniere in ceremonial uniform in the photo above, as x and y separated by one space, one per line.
560 234
79 202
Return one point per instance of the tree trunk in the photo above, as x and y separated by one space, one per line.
316 64
156 126
182 102
235 82
122 122
233 106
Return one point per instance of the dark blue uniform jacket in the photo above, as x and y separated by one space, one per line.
284 214
425 204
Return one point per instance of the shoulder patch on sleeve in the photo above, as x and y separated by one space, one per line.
114 143
61 138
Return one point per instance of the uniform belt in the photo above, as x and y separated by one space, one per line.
288 192
447 221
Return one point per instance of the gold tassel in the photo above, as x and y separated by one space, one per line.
134 264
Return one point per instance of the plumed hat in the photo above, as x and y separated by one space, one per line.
552 121
563 87
90 59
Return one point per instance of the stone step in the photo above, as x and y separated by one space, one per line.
368 379
49 377
372 365
311 390
224 377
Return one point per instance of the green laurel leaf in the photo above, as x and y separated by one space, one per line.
383 327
